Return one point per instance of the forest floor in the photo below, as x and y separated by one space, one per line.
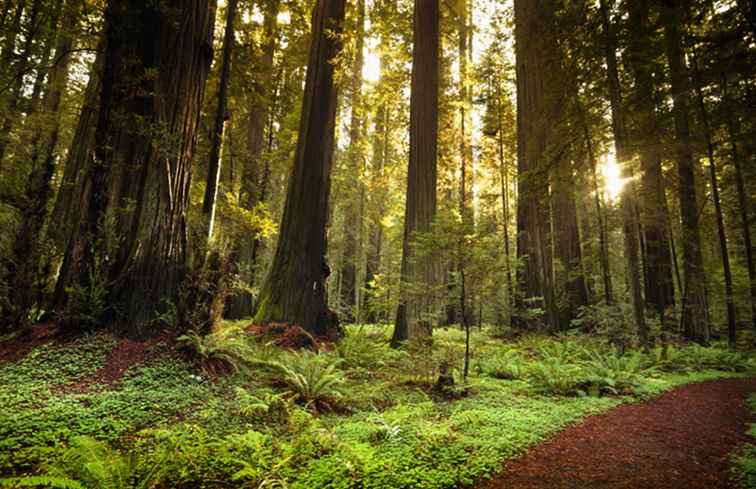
235 409
682 439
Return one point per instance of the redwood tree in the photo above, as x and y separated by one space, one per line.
132 236
420 209
694 310
294 290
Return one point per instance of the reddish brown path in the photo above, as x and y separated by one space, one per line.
680 440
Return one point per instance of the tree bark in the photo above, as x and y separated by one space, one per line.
419 272
539 108
240 304
145 140
294 290
695 312
570 278
628 197
660 291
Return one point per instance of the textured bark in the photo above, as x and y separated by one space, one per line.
628 197
419 273
240 304
352 224
219 125
659 288
569 274
145 140
695 320
539 108
23 268
294 290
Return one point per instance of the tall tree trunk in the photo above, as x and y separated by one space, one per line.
240 304
538 110
629 222
504 176
729 295
743 202
75 187
418 272
140 179
570 278
660 291
24 268
213 168
294 290
695 314
352 230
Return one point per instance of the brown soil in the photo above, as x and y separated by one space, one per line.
681 439
125 354
16 348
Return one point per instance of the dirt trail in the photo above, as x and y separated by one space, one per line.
680 440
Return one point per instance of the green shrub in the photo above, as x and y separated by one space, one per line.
313 378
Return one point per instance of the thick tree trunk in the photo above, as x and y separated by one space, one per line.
570 278
419 272
74 191
140 179
629 221
539 108
213 167
660 292
24 268
695 314
294 290
240 304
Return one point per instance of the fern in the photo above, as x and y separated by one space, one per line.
90 464
41 481
311 377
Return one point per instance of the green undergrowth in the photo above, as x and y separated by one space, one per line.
744 461
362 415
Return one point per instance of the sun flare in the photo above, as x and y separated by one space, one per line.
613 181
